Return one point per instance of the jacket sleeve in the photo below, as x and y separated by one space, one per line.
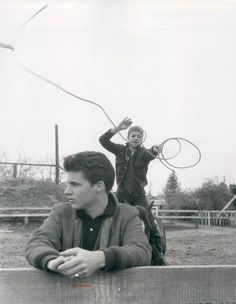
134 251
109 145
45 242
150 154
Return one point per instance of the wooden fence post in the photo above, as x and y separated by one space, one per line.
209 218
220 219
56 156
15 170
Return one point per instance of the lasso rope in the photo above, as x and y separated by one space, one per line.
161 157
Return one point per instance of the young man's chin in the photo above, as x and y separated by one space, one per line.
135 145
73 203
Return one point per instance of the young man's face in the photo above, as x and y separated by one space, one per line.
80 191
135 138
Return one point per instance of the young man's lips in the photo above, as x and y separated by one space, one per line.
71 200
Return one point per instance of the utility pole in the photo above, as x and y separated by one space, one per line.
56 156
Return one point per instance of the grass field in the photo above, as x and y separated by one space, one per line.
186 245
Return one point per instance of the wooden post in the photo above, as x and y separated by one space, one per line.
15 170
198 221
202 218
56 156
26 221
209 218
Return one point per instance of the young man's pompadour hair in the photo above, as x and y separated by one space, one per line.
94 165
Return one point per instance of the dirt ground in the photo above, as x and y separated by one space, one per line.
186 245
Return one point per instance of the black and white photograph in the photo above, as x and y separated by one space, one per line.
117 178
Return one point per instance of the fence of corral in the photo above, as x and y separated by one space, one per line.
56 165
24 213
202 217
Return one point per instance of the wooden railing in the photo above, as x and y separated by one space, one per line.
141 285
203 217
208 217
25 213
56 165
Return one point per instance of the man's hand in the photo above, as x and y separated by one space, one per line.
81 262
124 124
54 263
156 148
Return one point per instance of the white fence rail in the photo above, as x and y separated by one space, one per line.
203 217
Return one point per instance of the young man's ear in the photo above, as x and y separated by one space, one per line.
100 187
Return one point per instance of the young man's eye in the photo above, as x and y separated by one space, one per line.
74 184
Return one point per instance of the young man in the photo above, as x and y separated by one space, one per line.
93 231
132 162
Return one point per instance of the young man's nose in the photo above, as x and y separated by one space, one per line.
67 190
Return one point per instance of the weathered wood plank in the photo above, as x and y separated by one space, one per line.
9 209
24 215
154 285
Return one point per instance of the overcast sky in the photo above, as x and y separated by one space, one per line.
169 65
